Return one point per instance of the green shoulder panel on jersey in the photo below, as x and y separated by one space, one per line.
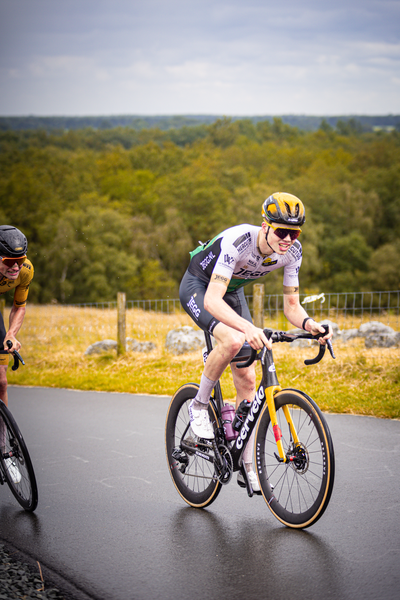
203 247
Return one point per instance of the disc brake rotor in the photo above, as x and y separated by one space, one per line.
300 460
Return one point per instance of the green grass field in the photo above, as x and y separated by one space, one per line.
359 381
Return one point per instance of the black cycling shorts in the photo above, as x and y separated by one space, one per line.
191 294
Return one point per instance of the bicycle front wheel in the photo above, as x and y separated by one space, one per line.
194 477
297 491
15 462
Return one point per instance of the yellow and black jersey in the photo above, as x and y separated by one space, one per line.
20 285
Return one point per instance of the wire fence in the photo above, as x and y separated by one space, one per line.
79 325
347 309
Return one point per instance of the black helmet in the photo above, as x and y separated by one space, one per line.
13 243
284 209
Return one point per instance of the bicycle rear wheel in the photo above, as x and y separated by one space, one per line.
193 477
298 491
15 462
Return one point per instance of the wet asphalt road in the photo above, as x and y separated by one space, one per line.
110 525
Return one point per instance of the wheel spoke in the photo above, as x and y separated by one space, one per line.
193 476
15 462
298 490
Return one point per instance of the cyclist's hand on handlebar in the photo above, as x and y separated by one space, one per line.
257 338
15 344
316 328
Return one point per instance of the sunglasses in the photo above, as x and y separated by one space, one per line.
281 233
10 262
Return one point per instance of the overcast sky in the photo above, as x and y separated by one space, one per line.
169 57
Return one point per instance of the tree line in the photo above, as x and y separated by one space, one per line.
119 209
139 122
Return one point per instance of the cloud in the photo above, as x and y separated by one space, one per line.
208 56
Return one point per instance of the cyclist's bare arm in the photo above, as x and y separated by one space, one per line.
296 314
215 304
17 315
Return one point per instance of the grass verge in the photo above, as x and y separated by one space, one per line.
359 381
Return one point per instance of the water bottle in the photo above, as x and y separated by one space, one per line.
228 414
241 414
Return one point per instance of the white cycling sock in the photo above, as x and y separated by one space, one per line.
248 452
205 390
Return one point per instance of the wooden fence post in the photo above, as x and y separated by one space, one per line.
121 334
258 305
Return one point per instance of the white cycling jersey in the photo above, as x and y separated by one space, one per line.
234 254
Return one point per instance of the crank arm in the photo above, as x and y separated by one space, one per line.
196 451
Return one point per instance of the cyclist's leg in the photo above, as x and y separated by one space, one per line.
191 295
229 341
245 384
244 379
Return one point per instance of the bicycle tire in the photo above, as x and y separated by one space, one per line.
198 484
296 492
13 445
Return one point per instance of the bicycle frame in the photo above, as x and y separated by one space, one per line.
295 467
263 400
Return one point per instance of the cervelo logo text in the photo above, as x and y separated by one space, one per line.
206 261
255 407
194 309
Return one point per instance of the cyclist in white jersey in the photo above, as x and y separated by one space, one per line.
212 293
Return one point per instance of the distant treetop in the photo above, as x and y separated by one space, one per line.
140 122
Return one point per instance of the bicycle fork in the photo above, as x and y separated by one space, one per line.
271 388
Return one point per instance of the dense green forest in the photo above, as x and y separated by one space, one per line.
119 209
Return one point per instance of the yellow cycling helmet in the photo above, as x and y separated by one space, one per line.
284 209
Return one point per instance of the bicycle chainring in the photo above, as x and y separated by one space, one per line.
224 471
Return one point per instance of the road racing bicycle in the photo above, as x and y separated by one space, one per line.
15 463
293 449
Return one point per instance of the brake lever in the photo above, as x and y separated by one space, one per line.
330 348
322 348
17 357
